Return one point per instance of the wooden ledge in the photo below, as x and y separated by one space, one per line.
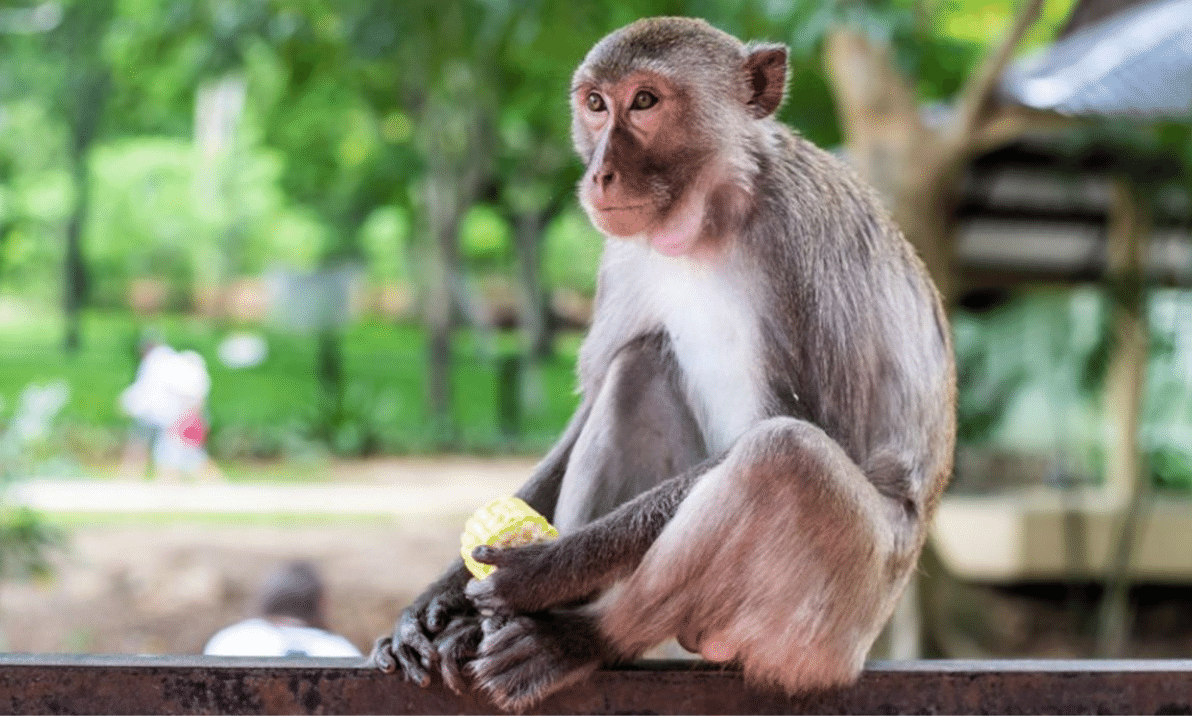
45 684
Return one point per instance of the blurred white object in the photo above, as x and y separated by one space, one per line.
36 409
260 637
168 384
242 350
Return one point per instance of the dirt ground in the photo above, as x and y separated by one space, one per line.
164 585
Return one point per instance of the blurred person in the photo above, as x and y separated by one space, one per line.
168 398
292 622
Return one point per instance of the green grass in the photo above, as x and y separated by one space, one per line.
275 409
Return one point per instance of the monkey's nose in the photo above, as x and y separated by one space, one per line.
604 178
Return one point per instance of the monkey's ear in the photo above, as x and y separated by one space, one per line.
765 70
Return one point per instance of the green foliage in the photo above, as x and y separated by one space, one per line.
26 542
485 237
272 409
1167 420
144 220
35 194
1022 366
384 238
571 251
1032 379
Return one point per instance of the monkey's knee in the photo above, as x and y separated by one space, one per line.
783 435
785 452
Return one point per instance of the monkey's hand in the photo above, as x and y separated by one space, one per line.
440 630
524 659
457 645
527 579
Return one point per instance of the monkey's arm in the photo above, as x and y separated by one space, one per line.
574 567
441 628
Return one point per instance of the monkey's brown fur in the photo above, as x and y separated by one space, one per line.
768 400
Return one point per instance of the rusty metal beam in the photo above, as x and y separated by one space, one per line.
50 684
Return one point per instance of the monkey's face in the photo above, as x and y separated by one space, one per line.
663 113
642 154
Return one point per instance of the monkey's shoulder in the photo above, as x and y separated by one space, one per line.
816 187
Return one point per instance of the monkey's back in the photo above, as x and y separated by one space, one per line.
855 321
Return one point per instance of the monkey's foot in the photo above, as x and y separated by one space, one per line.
524 659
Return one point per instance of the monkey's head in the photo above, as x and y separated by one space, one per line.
663 113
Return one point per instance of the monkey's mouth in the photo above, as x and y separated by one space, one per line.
626 207
622 219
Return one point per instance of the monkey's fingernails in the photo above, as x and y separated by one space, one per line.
422 678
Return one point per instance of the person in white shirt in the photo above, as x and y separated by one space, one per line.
292 621
167 399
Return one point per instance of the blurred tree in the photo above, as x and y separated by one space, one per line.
913 157
57 48
81 94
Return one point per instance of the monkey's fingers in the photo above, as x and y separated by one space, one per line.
457 645
439 612
387 657
382 655
413 650
488 596
523 582
496 556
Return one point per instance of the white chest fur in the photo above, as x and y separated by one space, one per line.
715 337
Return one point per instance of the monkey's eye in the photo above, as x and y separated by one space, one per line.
595 102
643 100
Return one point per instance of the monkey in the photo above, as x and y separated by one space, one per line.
767 410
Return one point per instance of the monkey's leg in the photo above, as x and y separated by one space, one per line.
783 558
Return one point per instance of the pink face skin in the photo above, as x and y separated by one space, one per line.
636 120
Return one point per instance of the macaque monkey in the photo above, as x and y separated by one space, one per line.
767 415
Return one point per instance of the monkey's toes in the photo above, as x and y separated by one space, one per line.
521 677
391 654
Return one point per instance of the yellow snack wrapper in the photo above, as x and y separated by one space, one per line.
504 522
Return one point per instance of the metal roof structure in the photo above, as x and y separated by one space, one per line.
1135 63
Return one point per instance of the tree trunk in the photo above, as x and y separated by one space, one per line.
910 164
925 210
443 212
536 324
74 267
329 367
84 124
1129 230
917 167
